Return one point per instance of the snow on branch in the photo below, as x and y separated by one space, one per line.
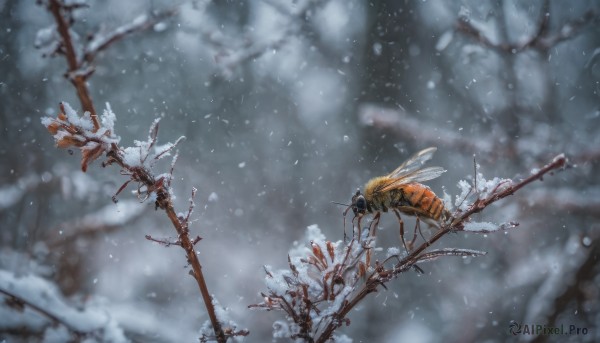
406 126
103 220
35 305
73 131
543 39
137 162
96 137
61 39
143 22
233 54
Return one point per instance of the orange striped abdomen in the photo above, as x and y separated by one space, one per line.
417 199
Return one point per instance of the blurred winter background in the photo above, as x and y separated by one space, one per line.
287 106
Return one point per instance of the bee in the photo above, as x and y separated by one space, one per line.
401 192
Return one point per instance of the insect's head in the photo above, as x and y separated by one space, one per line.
359 204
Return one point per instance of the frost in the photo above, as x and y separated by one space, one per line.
323 273
485 227
84 122
481 189
393 251
481 227
146 153
464 13
223 317
342 339
101 40
70 129
90 317
108 118
313 233
47 40
282 329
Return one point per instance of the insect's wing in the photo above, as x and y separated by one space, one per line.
420 175
413 163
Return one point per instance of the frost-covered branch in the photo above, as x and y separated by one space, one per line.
61 39
143 22
95 138
406 126
326 281
51 313
138 163
104 220
233 54
543 40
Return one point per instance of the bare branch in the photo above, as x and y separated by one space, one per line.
406 126
141 23
60 12
543 40
71 131
20 302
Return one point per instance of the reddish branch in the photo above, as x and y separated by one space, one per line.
60 13
63 19
80 69
382 275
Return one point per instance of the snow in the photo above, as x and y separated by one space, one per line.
484 188
89 317
101 40
11 194
393 251
481 227
79 131
108 118
47 40
84 122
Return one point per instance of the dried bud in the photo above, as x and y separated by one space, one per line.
318 253
67 141
53 127
331 250
362 269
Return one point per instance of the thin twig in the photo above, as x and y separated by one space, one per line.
543 40
56 7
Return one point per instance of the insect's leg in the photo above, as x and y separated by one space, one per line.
417 227
401 229
358 227
374 224
344 229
